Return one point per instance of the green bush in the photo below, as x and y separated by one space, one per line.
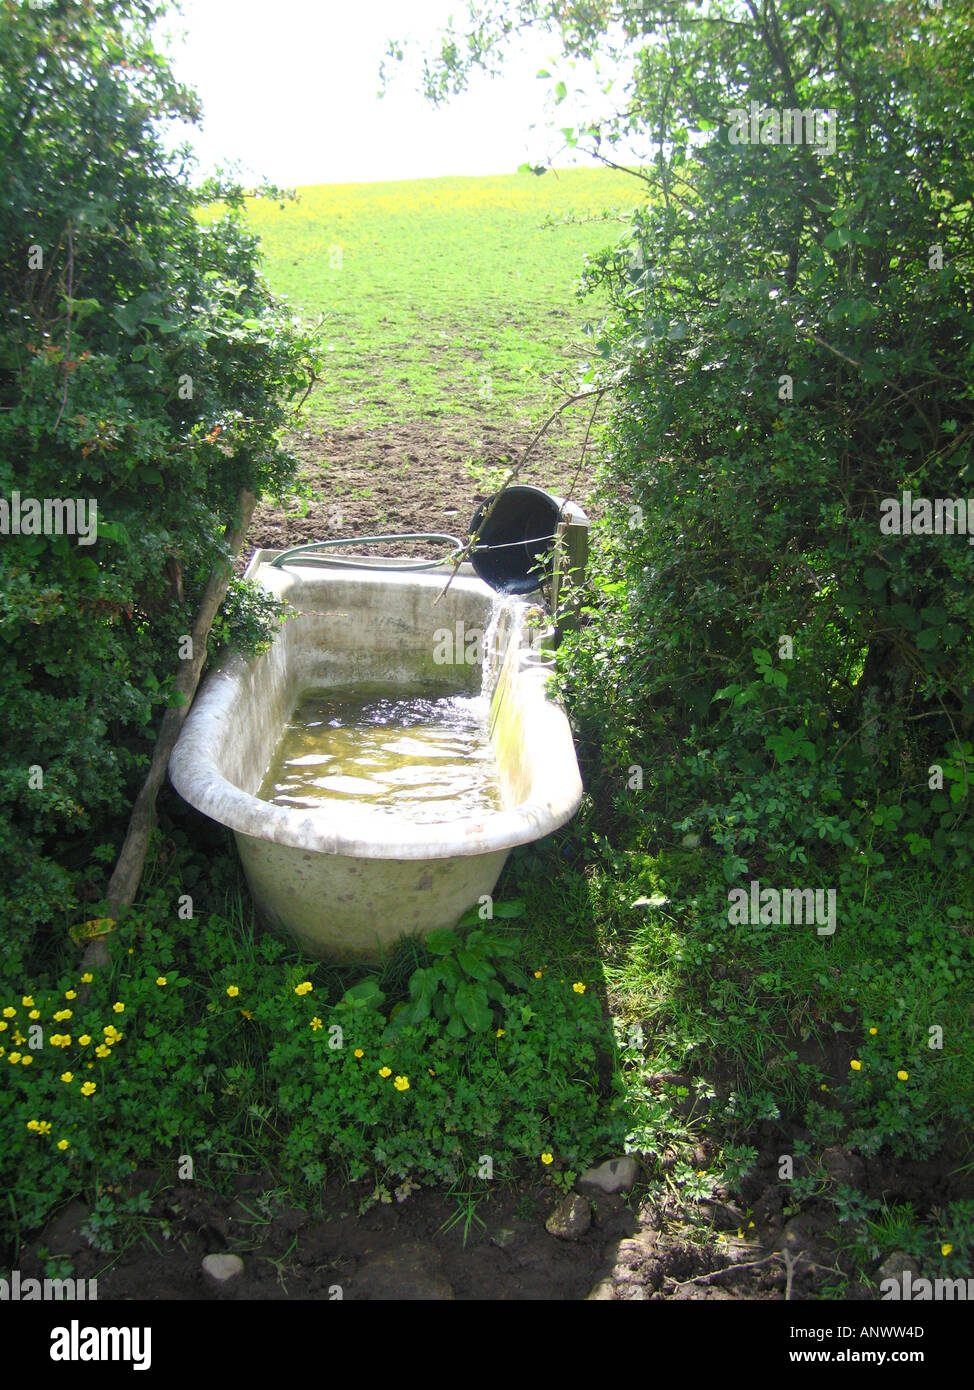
209 1042
788 344
146 370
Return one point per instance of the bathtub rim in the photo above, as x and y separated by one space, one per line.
358 831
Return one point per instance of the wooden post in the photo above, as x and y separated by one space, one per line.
127 876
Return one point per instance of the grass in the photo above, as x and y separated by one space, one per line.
443 296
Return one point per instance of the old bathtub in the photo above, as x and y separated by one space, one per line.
344 881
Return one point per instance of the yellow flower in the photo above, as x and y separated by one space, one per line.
902 1076
537 974
232 991
823 1087
118 1008
19 1038
500 1033
547 1158
304 988
33 1124
740 1233
88 1088
359 1052
67 1076
161 981
14 1058
44 1127
315 1024
856 1066
4 1025
34 1013
401 1083
946 1248
27 1002
70 994
750 1225
87 978
579 988
9 1012
85 1039
26 1060
60 1017
247 1013
873 1032
385 1071
111 1032
431 1071
102 1051
63 1144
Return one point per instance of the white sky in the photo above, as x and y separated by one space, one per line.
288 89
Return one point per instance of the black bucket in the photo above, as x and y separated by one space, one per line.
518 536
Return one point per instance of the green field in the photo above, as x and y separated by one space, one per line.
438 296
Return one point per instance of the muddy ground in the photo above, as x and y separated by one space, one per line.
412 477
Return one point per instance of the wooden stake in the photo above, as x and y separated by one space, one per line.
127 876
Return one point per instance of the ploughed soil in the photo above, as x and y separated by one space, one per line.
412 477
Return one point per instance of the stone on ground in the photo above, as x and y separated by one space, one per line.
570 1219
615 1175
222 1268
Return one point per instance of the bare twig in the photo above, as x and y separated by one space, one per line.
588 432
67 343
885 379
727 1269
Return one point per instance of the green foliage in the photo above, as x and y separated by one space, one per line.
209 1040
941 1241
465 987
146 370
796 678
